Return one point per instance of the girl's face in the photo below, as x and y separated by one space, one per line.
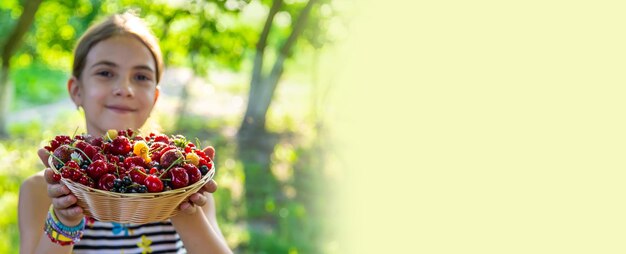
117 88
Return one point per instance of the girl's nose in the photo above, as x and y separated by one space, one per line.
124 88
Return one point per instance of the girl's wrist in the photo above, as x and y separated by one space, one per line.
192 218
61 233
69 222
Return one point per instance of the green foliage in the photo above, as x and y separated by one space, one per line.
38 84
18 160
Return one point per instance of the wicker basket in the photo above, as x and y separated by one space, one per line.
131 207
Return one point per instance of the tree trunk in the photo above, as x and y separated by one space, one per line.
6 92
262 89
8 49
255 144
250 125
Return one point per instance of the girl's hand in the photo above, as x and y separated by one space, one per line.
63 200
189 206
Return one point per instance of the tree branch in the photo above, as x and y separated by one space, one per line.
298 28
262 43
26 19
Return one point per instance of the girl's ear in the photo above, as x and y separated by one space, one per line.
74 89
157 91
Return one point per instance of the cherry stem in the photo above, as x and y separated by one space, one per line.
75 130
140 171
173 163
51 154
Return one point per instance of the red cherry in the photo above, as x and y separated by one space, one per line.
72 164
54 144
56 177
75 175
193 172
122 133
162 138
137 174
84 180
134 161
170 157
99 157
180 178
106 182
156 149
81 145
90 151
112 158
153 183
65 173
97 169
120 145
95 141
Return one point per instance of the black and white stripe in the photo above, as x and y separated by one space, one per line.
99 239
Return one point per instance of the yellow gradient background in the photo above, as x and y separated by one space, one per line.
482 127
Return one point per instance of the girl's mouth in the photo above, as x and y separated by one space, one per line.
120 109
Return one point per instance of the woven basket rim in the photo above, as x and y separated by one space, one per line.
205 179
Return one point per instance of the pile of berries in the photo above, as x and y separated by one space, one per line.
126 162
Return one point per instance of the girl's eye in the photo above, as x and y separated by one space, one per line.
105 74
141 77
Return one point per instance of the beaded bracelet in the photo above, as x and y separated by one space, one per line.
60 233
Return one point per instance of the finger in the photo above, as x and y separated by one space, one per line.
64 201
57 190
209 151
43 156
186 207
210 186
48 173
71 213
198 199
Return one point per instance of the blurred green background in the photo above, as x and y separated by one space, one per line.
269 62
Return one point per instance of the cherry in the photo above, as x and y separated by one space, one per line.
153 183
56 177
170 157
90 151
54 145
99 157
193 172
120 145
134 161
72 164
162 138
180 178
75 175
137 174
84 180
97 169
106 182
122 133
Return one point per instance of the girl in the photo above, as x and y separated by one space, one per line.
117 66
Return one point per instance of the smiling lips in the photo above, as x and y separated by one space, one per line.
120 109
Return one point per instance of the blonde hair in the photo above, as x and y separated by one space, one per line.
126 23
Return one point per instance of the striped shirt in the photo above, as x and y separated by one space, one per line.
114 238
